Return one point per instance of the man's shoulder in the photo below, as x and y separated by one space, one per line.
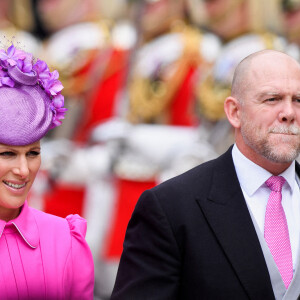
199 174
177 197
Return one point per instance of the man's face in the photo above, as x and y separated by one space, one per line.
291 18
228 18
159 15
277 143
270 112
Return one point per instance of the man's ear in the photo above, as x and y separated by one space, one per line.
232 109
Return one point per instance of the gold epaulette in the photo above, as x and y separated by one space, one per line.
150 97
211 97
212 94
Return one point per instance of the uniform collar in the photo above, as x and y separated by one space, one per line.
26 225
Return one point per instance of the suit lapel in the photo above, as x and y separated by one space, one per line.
226 212
297 165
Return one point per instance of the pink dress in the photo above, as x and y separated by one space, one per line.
45 257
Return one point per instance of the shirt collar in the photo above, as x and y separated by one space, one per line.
26 225
252 177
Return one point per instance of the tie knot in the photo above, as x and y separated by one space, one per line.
275 183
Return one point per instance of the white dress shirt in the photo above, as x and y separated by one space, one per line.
252 179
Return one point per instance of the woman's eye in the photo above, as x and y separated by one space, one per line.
33 153
7 154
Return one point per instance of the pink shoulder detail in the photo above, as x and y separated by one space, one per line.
77 224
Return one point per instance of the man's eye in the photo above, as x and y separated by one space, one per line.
271 99
7 154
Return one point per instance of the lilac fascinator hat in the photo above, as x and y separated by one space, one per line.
31 102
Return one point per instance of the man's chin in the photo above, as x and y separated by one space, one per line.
277 138
283 154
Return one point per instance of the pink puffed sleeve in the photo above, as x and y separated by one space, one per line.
79 273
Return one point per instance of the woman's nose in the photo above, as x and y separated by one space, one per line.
21 168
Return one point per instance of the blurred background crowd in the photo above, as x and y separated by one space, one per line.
144 85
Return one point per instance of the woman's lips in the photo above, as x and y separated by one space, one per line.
15 185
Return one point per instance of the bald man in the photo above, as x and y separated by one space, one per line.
229 228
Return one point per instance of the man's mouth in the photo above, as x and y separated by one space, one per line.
291 130
14 185
284 133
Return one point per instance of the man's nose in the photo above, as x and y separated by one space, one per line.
287 113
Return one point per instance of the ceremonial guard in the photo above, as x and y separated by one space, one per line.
92 54
291 16
159 118
245 26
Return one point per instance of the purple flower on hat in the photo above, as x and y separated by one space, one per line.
42 70
5 79
58 114
11 56
58 101
26 64
51 84
58 110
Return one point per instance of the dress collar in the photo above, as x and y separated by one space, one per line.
26 225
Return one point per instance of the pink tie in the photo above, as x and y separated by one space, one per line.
276 230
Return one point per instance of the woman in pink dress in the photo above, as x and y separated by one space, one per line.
42 256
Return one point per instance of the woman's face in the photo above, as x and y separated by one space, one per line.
18 168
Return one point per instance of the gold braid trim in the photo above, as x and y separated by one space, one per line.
268 39
150 97
211 98
211 94
74 81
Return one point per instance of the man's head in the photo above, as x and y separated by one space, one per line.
264 109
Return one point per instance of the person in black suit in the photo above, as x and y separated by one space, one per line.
200 235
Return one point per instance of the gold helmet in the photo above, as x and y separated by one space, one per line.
215 87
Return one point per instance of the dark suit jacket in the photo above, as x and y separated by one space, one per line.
192 237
